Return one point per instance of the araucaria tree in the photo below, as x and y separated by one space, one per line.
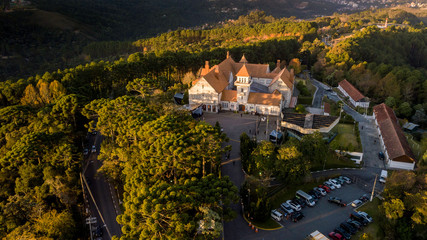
172 184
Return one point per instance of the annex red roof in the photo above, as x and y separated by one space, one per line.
394 140
351 90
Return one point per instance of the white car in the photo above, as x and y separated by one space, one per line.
94 149
366 216
356 203
335 183
276 215
294 206
285 207
330 185
346 179
321 190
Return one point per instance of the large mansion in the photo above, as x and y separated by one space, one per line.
243 86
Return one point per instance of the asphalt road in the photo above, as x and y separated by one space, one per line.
104 195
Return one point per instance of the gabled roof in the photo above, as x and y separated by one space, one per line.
229 95
351 90
395 141
216 80
286 77
243 72
272 99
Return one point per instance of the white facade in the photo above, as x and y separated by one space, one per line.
356 104
203 93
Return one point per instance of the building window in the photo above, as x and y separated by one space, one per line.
241 90
225 105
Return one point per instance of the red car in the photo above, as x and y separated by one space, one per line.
336 236
327 189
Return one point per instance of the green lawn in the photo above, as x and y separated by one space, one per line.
346 136
373 229
416 146
332 161
269 224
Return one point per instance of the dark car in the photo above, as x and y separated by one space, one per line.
317 194
343 232
359 218
364 198
297 216
299 201
336 236
381 155
346 226
326 188
337 201
98 231
354 223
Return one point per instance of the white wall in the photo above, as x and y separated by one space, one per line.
401 165
203 93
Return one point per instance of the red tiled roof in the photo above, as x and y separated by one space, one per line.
286 77
327 108
351 90
243 72
394 140
272 99
229 95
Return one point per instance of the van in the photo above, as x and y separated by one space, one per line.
383 176
276 215
308 199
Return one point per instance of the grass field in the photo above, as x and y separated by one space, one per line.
373 229
416 146
332 161
346 136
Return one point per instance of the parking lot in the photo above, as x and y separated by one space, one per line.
324 216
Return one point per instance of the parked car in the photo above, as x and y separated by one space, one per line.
339 180
346 226
354 223
356 216
93 148
381 155
366 216
364 198
335 183
330 185
346 179
313 196
356 203
316 194
297 216
285 207
299 201
85 151
337 201
98 232
343 232
294 206
94 132
276 215
321 190
326 188
336 236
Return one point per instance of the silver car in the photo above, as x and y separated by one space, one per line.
294 206
285 207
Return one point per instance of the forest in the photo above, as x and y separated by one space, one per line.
155 153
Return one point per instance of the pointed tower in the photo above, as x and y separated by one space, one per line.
243 60
243 84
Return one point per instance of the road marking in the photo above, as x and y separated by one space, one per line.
230 161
